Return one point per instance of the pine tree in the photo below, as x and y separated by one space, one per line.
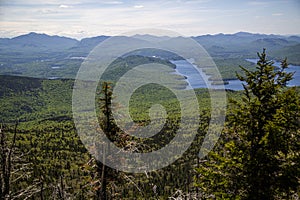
267 124
259 154
104 173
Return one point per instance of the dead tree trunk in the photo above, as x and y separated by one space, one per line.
6 161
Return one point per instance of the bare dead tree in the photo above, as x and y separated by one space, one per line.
14 168
6 162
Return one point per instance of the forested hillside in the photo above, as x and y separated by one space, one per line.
257 156
44 56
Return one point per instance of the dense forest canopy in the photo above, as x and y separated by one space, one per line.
257 156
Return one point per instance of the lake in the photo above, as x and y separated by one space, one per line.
199 79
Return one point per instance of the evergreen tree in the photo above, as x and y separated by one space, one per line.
105 174
259 154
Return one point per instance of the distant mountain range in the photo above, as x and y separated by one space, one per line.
219 42
42 55
36 41
245 44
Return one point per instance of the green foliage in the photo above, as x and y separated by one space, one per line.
291 52
265 115
48 154
229 66
259 153
26 99
123 64
48 133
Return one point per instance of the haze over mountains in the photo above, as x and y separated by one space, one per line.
44 42
41 55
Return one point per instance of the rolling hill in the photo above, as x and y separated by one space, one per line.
44 56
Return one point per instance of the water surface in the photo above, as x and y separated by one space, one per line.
198 79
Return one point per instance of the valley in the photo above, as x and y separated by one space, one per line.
44 56
49 159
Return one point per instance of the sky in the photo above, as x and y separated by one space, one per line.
86 18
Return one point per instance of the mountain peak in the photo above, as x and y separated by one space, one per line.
34 33
41 41
31 35
246 34
243 33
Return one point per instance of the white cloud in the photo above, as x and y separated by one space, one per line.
138 6
48 11
277 14
113 2
80 18
65 6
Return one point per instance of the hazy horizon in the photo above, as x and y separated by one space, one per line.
99 35
80 19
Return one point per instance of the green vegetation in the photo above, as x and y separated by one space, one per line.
122 65
43 56
257 156
62 166
229 67
27 99
292 53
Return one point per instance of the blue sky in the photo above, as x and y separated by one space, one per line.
86 18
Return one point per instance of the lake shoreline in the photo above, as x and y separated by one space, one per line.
198 79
